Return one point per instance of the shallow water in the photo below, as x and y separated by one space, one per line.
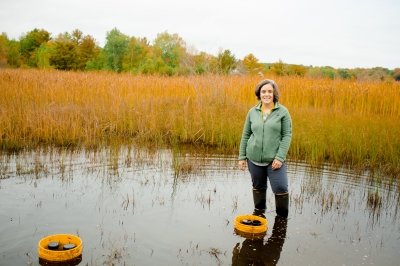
140 207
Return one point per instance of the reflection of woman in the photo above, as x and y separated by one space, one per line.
255 252
266 138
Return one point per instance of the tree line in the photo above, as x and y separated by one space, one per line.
167 54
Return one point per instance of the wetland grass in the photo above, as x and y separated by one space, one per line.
374 201
340 122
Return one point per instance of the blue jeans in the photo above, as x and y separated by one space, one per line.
277 178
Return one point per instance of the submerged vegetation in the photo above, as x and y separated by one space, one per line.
337 121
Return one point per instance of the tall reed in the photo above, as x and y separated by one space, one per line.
342 122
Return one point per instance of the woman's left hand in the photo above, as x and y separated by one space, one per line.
276 164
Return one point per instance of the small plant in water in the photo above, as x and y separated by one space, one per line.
215 252
127 201
374 201
235 203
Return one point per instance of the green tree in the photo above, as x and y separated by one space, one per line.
98 62
155 65
226 62
43 54
170 48
323 72
29 44
345 73
328 72
204 63
139 50
13 53
115 49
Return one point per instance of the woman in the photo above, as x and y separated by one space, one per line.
266 138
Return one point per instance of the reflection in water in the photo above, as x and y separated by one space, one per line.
72 262
256 252
341 193
144 207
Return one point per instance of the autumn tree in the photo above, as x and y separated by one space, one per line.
251 64
3 49
76 36
88 50
65 53
278 68
396 74
296 70
69 51
204 63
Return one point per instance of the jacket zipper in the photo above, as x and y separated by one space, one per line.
262 142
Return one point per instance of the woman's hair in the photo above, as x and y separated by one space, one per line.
274 86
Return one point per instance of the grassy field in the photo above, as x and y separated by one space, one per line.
340 122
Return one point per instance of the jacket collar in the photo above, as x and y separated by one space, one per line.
258 106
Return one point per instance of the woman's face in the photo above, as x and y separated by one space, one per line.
267 94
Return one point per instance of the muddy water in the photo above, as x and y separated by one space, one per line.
139 207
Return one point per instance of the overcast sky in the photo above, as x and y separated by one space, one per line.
340 33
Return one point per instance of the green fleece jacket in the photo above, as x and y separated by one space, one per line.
263 141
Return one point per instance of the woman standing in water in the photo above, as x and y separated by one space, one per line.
266 138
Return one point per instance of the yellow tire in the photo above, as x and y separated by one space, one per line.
244 228
59 254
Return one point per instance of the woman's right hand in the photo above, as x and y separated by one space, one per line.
242 165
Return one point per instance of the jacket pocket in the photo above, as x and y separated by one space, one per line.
250 145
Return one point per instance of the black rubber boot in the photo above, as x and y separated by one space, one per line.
259 197
282 204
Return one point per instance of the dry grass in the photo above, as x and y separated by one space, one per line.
342 122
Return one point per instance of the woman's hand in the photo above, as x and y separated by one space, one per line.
276 164
242 165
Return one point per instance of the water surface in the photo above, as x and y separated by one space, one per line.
141 207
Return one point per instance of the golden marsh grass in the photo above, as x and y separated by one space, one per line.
336 121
